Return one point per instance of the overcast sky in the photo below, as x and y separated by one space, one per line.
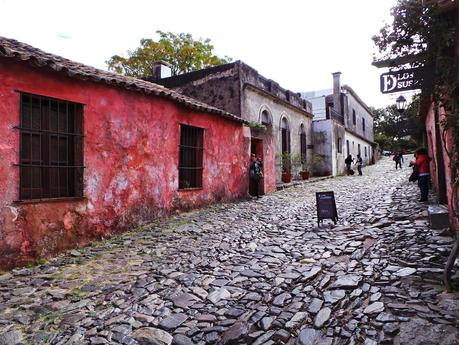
296 43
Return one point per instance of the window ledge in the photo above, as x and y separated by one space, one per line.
48 200
189 189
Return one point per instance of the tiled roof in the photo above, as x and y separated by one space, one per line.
19 51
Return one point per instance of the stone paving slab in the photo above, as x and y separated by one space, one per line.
251 272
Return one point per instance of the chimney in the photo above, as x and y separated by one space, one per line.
161 70
337 92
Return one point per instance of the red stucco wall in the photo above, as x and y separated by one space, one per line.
432 148
269 164
131 158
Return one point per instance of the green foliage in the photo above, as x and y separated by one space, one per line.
181 51
256 125
286 161
384 142
394 131
415 30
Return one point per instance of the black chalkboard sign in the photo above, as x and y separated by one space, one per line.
326 207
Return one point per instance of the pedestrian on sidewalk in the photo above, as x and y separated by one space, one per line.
421 164
359 164
256 173
348 161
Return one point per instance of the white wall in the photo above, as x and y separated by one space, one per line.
361 113
353 146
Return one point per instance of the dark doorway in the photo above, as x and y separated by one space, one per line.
256 148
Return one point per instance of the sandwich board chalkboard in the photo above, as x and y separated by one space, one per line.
326 207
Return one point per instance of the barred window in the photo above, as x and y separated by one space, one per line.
190 157
285 145
303 143
51 148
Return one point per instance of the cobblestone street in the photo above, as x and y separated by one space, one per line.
251 272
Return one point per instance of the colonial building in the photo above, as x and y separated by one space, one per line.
342 126
241 90
87 153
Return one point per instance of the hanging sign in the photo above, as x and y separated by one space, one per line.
326 207
402 80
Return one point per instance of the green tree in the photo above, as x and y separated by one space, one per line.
181 51
394 131
417 33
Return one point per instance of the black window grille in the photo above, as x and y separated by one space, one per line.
191 157
303 146
51 148
286 161
354 117
363 125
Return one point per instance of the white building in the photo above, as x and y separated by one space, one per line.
342 126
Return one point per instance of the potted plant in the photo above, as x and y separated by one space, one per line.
286 165
300 161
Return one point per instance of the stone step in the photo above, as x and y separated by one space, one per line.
438 216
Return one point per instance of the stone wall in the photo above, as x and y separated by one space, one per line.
221 88
354 143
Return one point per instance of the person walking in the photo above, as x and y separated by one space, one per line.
421 164
348 162
396 159
359 163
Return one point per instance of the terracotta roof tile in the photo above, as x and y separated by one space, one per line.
19 51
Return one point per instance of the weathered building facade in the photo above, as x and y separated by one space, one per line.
342 126
87 153
241 90
440 141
